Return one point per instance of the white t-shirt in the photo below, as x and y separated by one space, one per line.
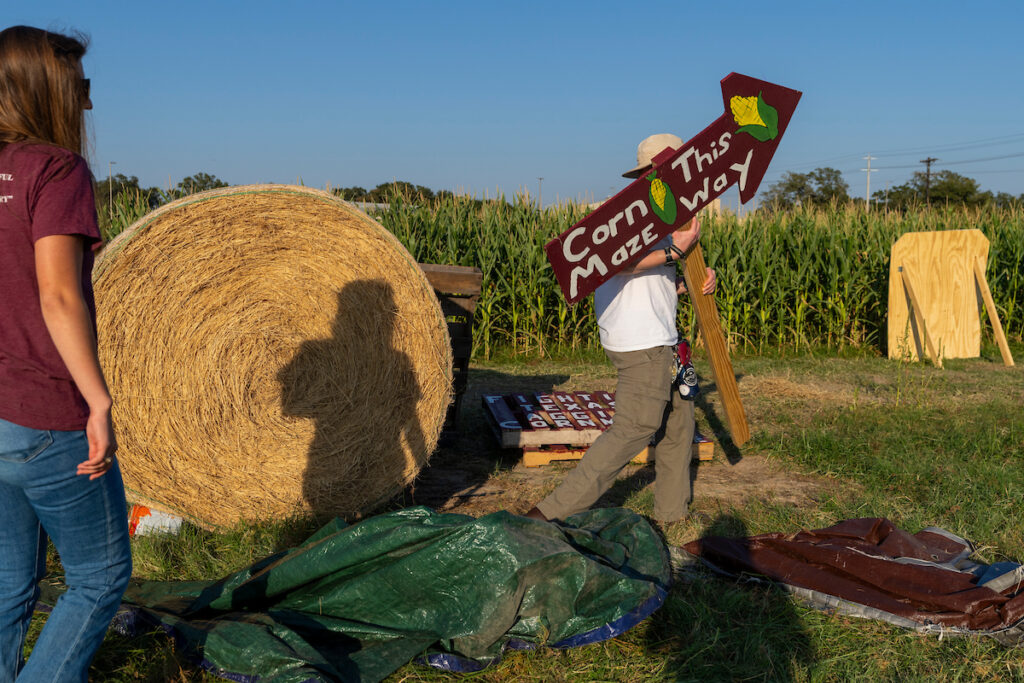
638 310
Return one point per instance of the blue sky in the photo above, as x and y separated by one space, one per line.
481 97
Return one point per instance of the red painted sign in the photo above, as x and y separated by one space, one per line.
734 150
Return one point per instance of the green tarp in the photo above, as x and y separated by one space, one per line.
357 602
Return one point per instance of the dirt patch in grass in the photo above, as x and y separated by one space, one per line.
757 478
778 388
717 485
471 475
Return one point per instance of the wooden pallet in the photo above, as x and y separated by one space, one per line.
559 425
703 449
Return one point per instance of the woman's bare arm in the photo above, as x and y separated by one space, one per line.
58 260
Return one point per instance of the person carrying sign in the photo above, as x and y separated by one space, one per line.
636 317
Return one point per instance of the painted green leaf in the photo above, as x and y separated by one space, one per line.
769 115
667 214
759 133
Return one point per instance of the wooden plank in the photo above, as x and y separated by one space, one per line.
553 437
462 280
531 416
548 404
520 421
695 273
512 432
993 314
588 400
703 450
580 417
919 320
591 407
536 457
503 421
600 405
703 447
942 267
565 411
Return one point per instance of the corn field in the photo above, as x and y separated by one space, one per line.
808 278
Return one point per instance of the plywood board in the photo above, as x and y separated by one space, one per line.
941 266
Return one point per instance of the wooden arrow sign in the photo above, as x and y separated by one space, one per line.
734 150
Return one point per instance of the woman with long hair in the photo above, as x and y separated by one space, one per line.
58 475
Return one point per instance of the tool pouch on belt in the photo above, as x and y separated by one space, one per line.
686 376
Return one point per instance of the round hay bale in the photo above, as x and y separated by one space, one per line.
271 350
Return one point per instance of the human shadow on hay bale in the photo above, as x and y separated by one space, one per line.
361 392
715 628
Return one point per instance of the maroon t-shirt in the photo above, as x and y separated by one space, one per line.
44 191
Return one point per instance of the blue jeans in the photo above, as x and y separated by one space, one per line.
40 496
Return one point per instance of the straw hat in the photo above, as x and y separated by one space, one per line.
649 148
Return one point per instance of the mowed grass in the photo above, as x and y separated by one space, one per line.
920 445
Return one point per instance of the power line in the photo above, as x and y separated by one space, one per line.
999 170
972 161
950 147
776 175
958 161
956 146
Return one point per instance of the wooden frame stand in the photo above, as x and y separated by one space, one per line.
937 286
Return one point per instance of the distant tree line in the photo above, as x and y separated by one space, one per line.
382 193
943 187
824 186
819 187
110 189
121 190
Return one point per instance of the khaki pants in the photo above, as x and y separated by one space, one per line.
645 400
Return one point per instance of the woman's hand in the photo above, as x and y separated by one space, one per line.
710 282
99 430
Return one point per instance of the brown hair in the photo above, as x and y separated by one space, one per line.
42 96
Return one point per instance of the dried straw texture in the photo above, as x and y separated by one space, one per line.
271 351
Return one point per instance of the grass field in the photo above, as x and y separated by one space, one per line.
839 432
836 436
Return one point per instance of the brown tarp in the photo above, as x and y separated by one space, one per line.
926 578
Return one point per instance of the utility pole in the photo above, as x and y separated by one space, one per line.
540 193
110 186
867 193
928 176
